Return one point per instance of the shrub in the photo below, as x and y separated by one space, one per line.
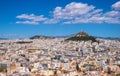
117 74
1 70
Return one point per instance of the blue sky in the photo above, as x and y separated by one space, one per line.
25 18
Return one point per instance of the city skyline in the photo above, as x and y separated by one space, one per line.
26 18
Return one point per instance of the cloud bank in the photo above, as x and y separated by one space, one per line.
75 13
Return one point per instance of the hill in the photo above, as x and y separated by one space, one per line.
82 36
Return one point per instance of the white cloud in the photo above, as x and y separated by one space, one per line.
112 20
32 17
72 10
112 17
67 22
51 21
27 22
116 6
75 13
112 14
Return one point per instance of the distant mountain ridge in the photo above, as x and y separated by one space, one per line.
65 36
50 37
72 36
41 37
3 38
109 38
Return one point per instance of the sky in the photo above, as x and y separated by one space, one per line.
26 18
